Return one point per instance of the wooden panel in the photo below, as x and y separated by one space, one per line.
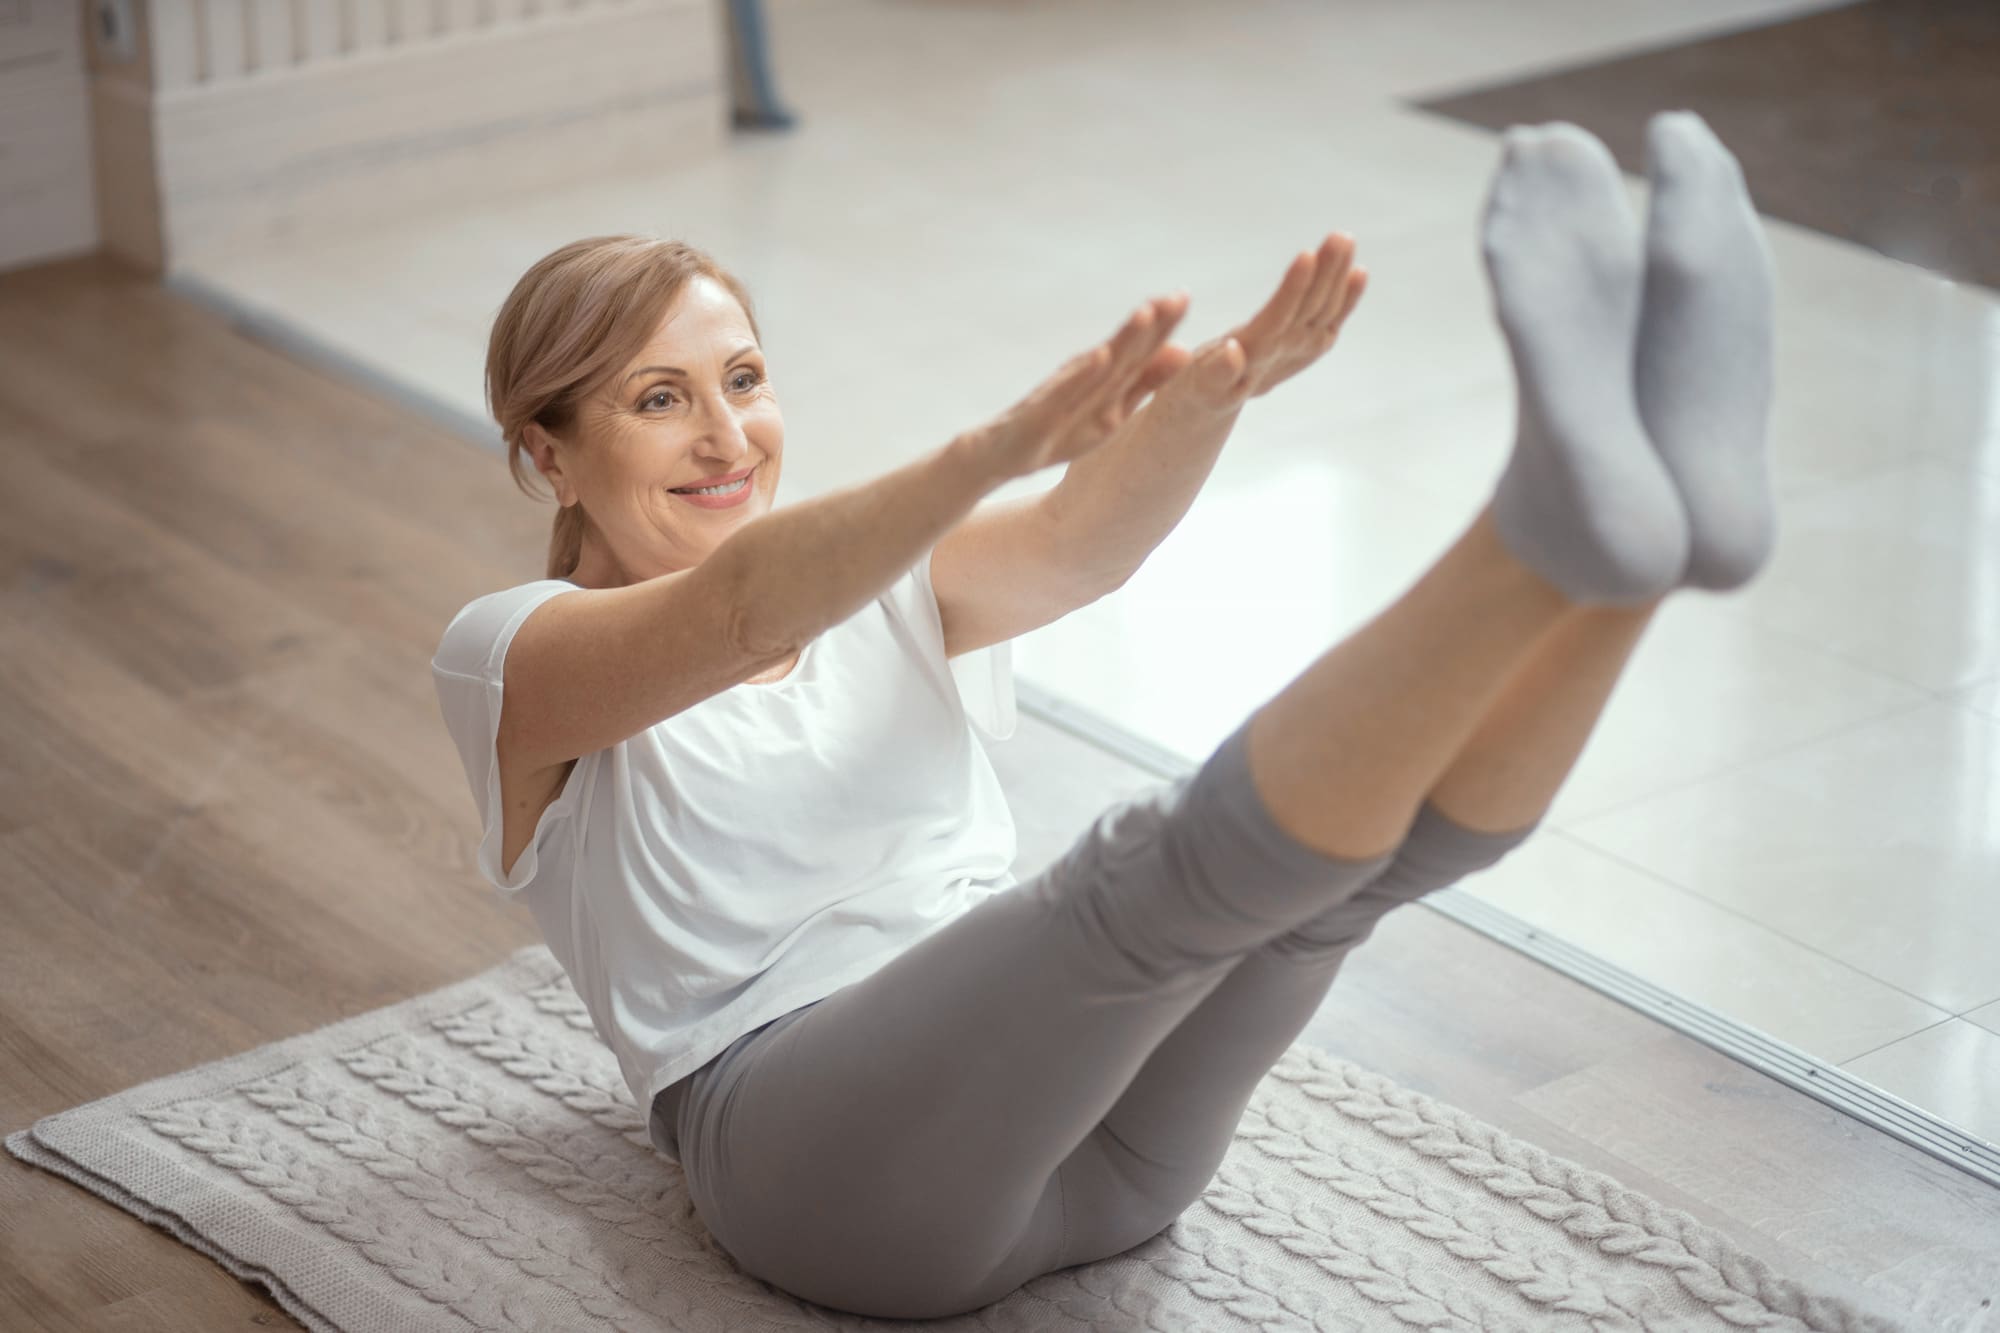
445 92
451 120
269 39
318 32
368 26
225 50
175 36
218 41
498 167
40 35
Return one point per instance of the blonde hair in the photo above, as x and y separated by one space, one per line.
574 318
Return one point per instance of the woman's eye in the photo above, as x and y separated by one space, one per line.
743 380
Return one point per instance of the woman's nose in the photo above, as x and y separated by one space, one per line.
724 422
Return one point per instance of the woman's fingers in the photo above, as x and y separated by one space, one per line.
1152 325
1143 331
1070 386
1267 325
1326 261
1167 313
1336 260
1226 363
1107 368
1132 335
1357 282
1164 313
1165 364
1106 384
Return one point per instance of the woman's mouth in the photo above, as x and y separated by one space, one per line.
716 497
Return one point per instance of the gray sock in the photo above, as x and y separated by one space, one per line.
1703 376
1585 500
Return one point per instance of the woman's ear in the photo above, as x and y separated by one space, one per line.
541 448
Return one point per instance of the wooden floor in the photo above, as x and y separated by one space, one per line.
229 813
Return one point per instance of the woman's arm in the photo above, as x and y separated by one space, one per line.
804 568
1118 502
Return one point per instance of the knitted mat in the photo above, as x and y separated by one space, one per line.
471 1159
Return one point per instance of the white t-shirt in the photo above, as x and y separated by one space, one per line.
762 849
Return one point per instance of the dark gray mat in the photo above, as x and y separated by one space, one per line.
1878 123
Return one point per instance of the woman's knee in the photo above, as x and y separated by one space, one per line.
1110 888
1436 854
1438 851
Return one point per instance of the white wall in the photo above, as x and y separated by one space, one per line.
249 121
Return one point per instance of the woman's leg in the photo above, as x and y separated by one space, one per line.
1509 772
894 1149
1167 1134
1703 384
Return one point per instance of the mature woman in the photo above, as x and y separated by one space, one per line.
726 750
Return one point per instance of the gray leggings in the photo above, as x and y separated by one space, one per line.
1053 1077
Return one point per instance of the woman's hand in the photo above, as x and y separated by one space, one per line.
1296 327
1083 403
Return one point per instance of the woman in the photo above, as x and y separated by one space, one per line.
724 750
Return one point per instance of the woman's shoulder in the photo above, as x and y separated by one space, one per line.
478 632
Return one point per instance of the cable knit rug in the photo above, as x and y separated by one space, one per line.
470 1159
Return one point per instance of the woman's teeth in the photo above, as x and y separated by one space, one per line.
731 489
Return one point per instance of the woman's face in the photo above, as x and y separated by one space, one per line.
694 405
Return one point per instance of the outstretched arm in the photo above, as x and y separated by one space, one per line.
1117 503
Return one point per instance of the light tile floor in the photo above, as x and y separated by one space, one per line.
1791 810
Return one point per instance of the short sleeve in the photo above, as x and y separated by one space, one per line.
467 670
985 676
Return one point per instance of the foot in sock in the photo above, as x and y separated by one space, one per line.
1585 501
1703 376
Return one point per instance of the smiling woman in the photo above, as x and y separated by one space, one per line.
629 369
694 659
